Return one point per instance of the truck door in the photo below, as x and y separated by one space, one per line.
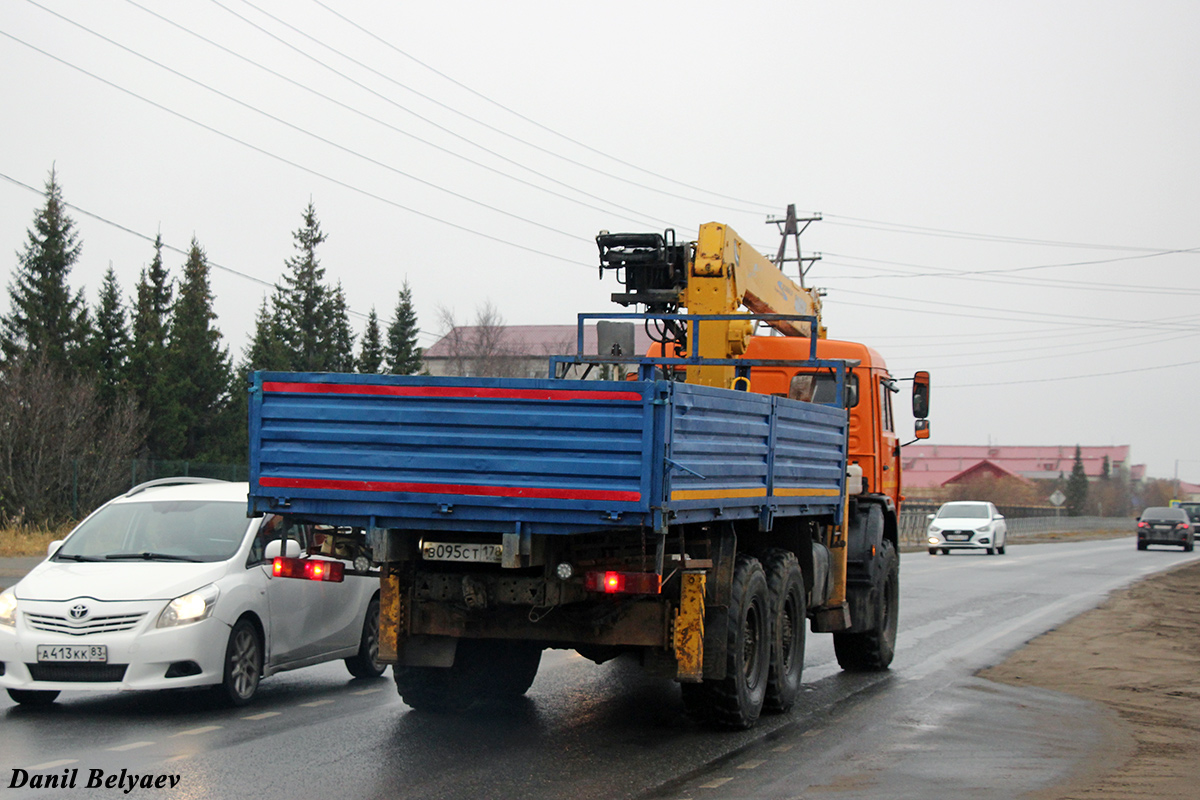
889 455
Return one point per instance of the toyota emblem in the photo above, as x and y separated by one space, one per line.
78 611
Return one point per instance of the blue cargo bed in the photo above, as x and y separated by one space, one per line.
535 456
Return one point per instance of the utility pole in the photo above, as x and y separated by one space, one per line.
789 226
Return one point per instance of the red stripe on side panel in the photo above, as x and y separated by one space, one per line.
539 492
476 392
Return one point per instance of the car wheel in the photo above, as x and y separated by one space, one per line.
945 551
32 697
243 664
933 551
1187 547
365 663
1000 550
991 551
1141 545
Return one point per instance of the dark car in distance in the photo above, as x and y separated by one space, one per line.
1161 525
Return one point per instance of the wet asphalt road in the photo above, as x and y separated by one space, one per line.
926 727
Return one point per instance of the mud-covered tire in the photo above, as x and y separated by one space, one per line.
243 665
789 622
365 663
736 701
874 649
32 697
484 670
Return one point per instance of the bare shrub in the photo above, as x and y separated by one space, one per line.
62 452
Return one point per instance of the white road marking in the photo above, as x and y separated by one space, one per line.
717 784
198 731
53 764
783 748
316 703
752 764
130 746
368 691
263 715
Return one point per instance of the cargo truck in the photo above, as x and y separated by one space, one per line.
697 514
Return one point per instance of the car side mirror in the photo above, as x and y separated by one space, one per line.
930 516
921 429
52 548
273 549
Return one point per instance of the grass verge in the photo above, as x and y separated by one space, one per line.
26 540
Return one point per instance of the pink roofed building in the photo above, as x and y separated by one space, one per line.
930 466
514 351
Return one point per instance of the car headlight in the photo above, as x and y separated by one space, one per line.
191 607
984 529
934 529
8 608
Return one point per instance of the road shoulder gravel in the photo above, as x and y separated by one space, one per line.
1138 653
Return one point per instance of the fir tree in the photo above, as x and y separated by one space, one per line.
45 318
370 354
402 356
200 371
267 350
109 349
148 350
1077 486
307 314
341 342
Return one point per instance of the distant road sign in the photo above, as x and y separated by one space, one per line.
1058 498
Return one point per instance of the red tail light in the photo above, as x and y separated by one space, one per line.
623 582
1143 524
309 568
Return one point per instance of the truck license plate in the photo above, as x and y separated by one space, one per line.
444 551
94 653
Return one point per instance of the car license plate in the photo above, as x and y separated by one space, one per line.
444 551
95 653
958 537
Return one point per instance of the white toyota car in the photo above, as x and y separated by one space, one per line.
967 525
171 586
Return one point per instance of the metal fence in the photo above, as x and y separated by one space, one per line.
1022 521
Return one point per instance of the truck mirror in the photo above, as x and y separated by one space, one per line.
922 429
920 399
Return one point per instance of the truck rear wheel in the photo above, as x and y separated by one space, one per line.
789 616
874 648
484 670
736 701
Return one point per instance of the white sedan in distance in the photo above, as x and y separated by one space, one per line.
170 586
967 525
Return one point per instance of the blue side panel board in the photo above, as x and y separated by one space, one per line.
536 456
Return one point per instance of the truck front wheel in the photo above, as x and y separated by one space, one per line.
874 648
484 670
737 700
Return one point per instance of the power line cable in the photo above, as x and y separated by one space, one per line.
896 227
295 164
1069 377
464 115
306 132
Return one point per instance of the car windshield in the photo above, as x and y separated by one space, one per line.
964 511
158 531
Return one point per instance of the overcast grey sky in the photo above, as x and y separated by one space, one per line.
1010 190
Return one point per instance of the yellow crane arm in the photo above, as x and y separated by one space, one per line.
726 275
